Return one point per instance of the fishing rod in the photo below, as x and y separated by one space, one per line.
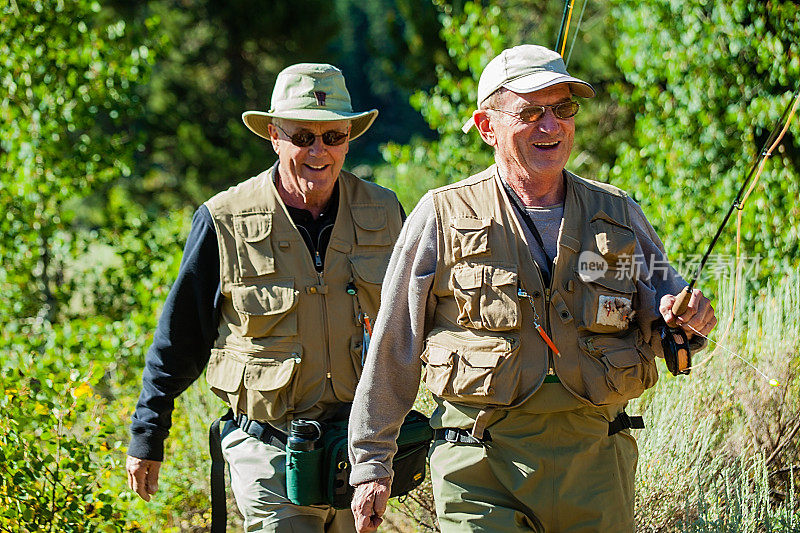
676 352
561 41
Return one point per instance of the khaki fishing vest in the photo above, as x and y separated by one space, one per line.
483 350
290 337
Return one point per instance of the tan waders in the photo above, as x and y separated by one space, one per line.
550 466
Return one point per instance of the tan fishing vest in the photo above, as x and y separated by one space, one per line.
483 350
290 338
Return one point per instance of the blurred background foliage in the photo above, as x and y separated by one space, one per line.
118 119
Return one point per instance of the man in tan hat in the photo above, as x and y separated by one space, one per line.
514 287
280 277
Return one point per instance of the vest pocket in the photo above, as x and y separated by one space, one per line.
486 296
613 240
369 221
606 302
470 236
259 386
253 246
267 309
618 368
368 271
472 369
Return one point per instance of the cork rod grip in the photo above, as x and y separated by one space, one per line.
682 302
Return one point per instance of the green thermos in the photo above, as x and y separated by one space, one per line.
304 454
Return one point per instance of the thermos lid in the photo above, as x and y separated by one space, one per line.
305 429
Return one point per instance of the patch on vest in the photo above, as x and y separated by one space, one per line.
614 311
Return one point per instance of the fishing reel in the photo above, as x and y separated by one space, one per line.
677 354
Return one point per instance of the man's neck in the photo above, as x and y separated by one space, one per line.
312 201
540 191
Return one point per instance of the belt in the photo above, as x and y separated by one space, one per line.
460 436
463 436
260 430
623 421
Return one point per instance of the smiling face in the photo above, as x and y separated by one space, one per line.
308 173
536 152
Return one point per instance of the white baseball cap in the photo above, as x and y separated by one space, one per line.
525 69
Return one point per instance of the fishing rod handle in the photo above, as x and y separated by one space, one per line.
682 301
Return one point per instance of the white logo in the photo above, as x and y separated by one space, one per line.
591 266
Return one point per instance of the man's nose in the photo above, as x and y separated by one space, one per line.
317 147
549 122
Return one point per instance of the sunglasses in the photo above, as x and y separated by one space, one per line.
533 113
305 138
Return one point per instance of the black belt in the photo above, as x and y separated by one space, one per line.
463 436
260 430
460 436
623 421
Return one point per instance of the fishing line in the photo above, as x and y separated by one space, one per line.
772 381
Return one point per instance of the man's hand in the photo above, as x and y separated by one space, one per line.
142 476
698 318
369 503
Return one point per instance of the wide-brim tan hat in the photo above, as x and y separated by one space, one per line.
313 92
525 69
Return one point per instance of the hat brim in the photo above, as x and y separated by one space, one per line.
258 121
539 81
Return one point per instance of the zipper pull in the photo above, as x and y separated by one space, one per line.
317 259
546 295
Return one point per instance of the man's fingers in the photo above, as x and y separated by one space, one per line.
142 476
151 480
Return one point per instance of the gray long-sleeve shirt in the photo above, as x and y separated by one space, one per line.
391 375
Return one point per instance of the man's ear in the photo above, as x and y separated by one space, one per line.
484 126
273 137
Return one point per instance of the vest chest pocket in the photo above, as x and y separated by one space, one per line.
486 296
368 271
267 309
606 302
470 236
370 225
253 246
614 241
616 369
482 370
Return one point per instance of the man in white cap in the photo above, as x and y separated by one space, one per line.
279 279
514 288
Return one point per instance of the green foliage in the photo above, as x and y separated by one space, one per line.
707 81
68 80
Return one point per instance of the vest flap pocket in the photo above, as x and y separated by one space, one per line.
253 227
498 276
369 221
224 371
272 370
613 239
468 276
618 280
258 300
472 369
619 352
436 354
266 309
369 217
370 267
479 359
470 236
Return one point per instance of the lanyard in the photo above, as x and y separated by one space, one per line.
532 227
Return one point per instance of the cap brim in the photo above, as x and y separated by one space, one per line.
258 121
543 80
526 84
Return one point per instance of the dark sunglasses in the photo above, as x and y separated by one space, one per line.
305 138
533 113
